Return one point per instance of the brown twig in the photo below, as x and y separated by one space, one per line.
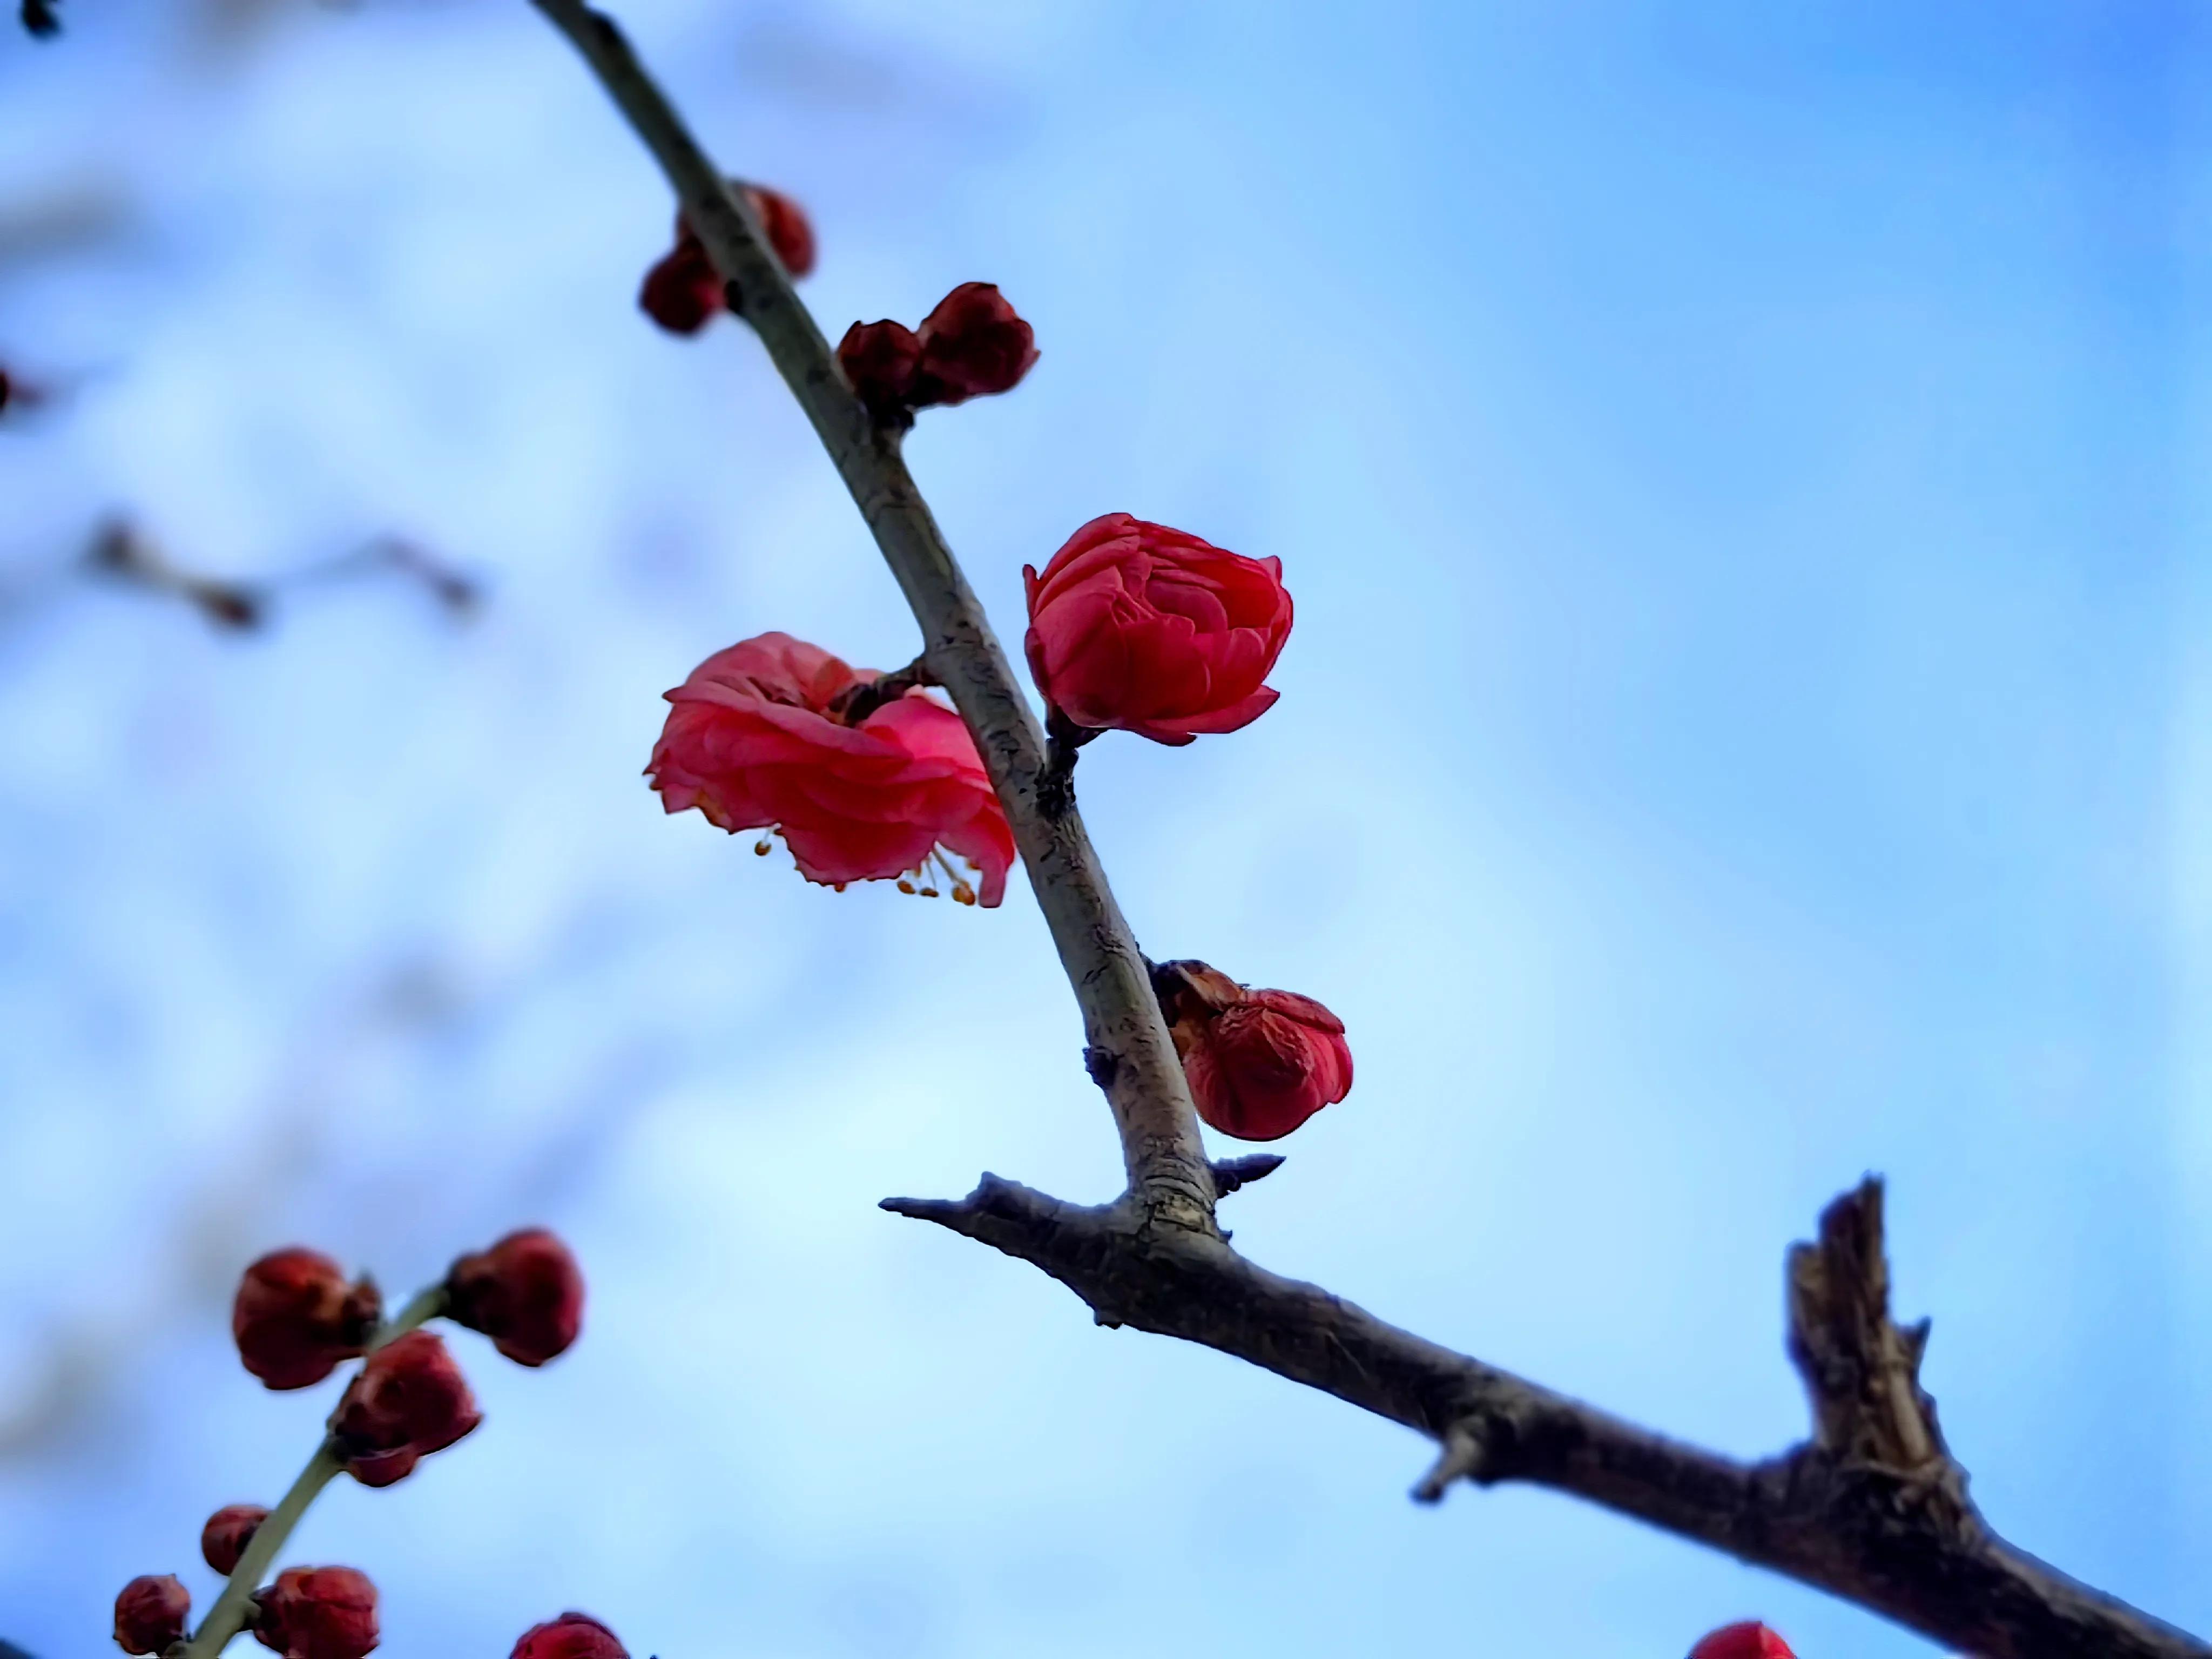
1846 1515
1165 1160
1872 1509
856 703
119 549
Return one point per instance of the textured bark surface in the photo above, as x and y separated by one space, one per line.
1144 1084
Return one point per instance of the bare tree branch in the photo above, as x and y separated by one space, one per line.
1845 1514
1142 1079
1872 1509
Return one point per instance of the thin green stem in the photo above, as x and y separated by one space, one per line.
228 1617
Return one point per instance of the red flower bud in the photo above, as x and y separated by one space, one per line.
754 742
228 1532
1144 628
790 233
972 344
150 1613
1749 1640
408 1400
571 1636
684 291
296 1317
318 1613
1259 1063
880 361
526 1293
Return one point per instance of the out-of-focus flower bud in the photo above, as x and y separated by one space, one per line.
151 1613
296 1317
526 1293
409 1399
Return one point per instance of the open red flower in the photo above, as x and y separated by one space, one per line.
754 742
318 1613
1147 630
296 1317
226 1533
1259 1063
526 1293
571 1636
972 344
408 1400
1749 1640
151 1613
684 291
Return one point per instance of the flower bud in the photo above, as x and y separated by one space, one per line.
408 1400
880 360
683 292
317 1613
972 344
1259 1063
526 1293
1149 629
151 1613
296 1317
571 1636
228 1532
790 233
1749 1640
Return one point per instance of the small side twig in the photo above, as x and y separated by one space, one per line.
856 704
234 1606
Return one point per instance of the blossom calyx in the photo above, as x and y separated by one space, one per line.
318 1613
226 1533
571 1636
1259 1062
150 1613
296 1318
526 1293
1148 629
409 1399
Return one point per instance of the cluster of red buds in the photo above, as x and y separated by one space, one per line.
972 344
295 1319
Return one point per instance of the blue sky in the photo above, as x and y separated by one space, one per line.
1736 467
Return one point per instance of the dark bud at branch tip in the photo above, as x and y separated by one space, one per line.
151 1613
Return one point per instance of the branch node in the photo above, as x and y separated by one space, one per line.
1232 1173
1466 1456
